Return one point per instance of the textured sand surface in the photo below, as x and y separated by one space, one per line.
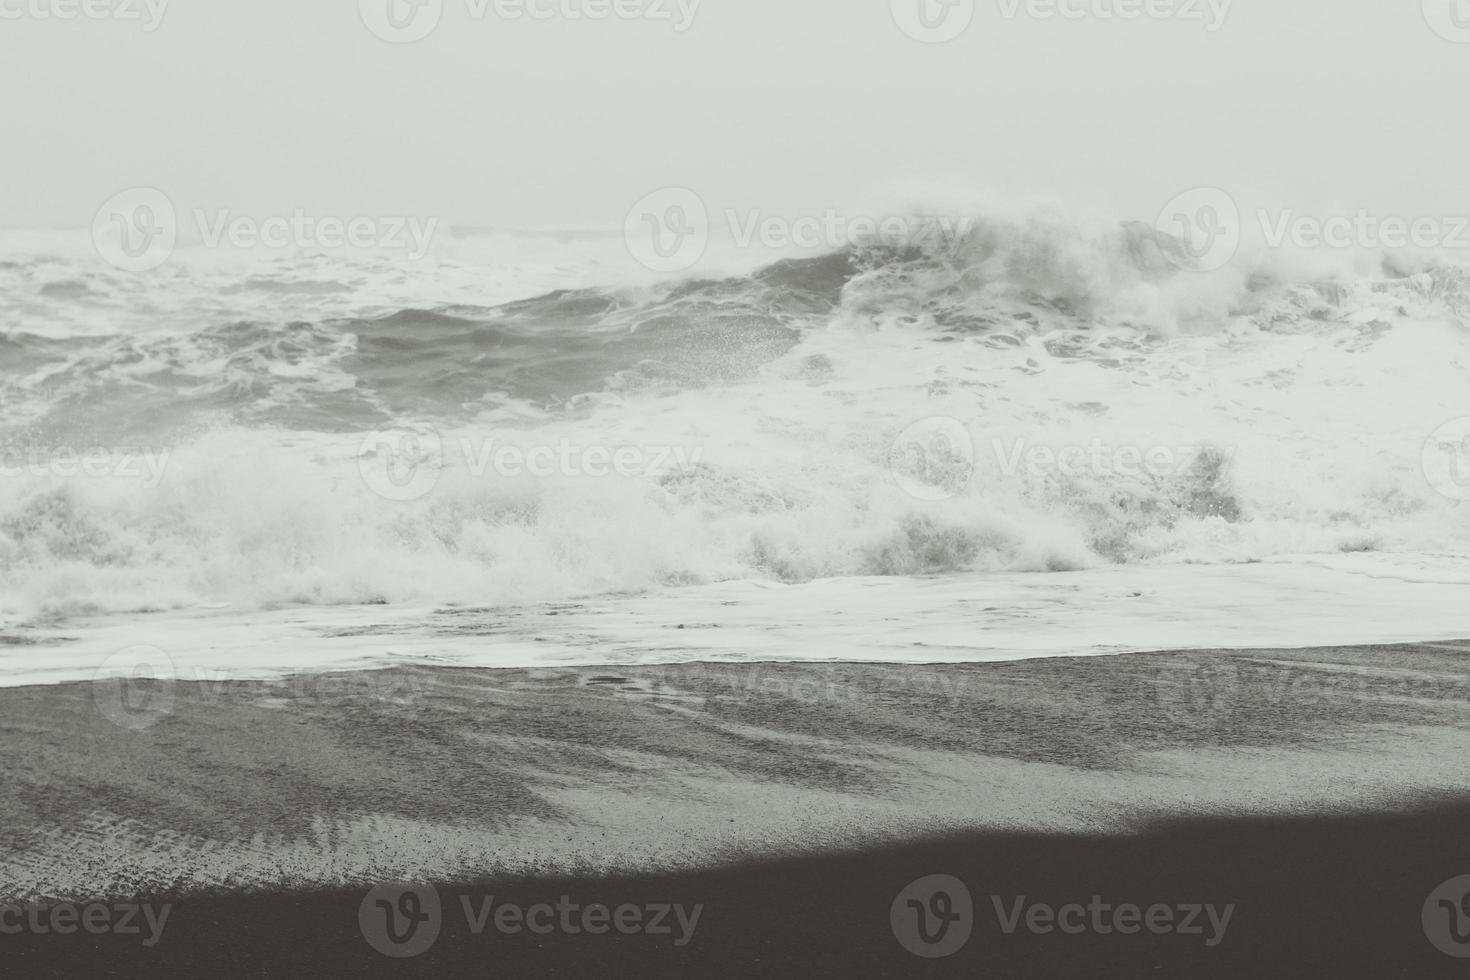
449 773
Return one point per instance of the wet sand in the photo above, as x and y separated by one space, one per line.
1318 790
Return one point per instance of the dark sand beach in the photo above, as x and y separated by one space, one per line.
1318 793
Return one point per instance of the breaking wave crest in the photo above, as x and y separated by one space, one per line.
1031 392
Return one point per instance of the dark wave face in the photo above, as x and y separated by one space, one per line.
453 362
450 363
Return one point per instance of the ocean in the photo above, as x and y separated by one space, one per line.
1032 433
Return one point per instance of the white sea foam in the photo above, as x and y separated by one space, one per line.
1284 603
1278 415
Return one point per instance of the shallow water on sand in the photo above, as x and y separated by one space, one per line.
1301 602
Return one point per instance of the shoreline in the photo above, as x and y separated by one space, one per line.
1317 797
324 780
961 618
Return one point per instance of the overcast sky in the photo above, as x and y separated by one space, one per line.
786 105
